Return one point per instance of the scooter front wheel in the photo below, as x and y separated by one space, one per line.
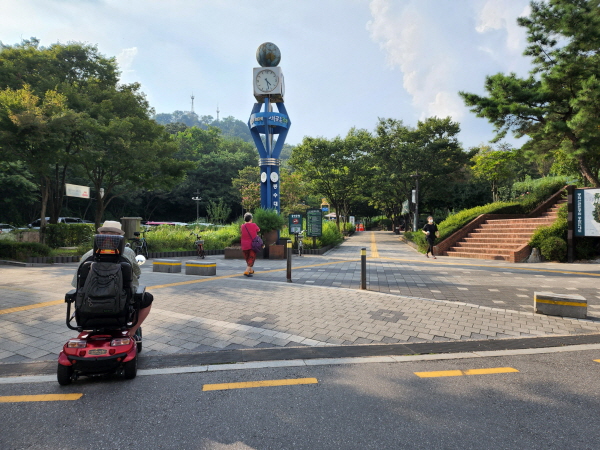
64 375
130 369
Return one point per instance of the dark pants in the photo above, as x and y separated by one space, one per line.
430 243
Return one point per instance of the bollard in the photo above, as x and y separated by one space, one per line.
289 261
363 268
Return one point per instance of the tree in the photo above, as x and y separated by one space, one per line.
218 212
247 183
559 103
125 149
496 166
400 153
64 72
32 131
333 168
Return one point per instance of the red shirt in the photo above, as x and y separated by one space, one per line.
249 231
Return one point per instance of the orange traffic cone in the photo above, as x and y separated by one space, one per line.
361 227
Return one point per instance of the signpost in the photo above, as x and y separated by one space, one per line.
295 223
314 224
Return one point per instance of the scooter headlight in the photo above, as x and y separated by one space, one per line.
120 341
76 343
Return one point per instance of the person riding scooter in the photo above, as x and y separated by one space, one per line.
111 227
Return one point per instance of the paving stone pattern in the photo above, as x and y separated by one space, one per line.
409 299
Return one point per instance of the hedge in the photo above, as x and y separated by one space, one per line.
69 235
19 251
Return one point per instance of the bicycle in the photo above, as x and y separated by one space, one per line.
300 242
199 246
139 244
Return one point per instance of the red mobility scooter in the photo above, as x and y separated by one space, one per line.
105 306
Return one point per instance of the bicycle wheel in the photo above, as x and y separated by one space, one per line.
145 250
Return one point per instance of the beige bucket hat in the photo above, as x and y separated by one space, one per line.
111 225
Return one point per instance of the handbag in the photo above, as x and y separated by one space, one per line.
257 242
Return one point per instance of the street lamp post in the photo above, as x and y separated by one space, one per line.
416 218
197 199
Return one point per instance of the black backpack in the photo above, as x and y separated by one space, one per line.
104 292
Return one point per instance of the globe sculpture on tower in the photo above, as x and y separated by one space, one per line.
268 55
269 89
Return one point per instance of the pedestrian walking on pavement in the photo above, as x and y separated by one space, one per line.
431 232
249 231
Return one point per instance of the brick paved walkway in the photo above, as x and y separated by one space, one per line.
409 299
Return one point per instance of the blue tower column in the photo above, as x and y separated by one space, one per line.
269 124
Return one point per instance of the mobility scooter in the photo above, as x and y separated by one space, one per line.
105 307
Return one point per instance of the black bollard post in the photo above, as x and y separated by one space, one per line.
289 261
363 268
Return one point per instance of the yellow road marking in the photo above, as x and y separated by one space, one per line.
374 252
26 307
597 360
458 373
253 384
557 302
165 264
201 265
39 398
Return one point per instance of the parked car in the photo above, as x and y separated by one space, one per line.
6 228
36 223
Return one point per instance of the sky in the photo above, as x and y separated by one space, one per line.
346 62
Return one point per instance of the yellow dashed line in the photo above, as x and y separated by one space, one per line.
253 384
374 252
26 307
39 398
458 373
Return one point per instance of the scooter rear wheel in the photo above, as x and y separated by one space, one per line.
64 375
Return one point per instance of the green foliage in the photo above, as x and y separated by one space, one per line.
554 248
557 105
268 220
20 251
217 212
69 235
167 238
586 247
543 187
557 230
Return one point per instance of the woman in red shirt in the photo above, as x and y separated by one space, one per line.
249 231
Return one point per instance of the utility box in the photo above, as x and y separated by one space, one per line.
130 225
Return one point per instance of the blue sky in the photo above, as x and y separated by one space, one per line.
346 62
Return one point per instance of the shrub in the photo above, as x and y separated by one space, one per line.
69 235
20 251
268 220
179 238
554 248
586 247
558 229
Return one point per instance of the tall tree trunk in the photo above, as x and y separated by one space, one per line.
44 187
587 173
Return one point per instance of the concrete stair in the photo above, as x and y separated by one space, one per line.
501 239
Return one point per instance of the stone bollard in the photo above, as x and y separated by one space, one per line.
166 266
205 268
564 305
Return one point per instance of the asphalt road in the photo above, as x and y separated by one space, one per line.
542 401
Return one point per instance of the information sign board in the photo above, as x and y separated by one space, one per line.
74 190
314 223
587 212
295 223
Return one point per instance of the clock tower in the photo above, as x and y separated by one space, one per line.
269 90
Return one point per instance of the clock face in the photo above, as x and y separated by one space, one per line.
274 177
266 80
263 177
